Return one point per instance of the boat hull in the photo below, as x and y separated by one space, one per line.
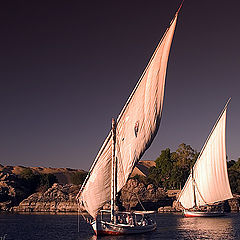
108 228
202 214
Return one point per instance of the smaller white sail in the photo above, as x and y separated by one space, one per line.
187 194
209 182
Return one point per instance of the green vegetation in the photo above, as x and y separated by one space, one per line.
173 168
234 175
36 182
77 178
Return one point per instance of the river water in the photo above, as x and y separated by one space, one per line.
65 226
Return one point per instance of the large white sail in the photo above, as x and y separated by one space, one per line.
136 127
140 120
210 178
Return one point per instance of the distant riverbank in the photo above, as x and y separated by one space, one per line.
15 195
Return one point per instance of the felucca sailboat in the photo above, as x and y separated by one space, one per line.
208 181
132 133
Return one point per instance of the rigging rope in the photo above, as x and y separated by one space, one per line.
138 199
140 202
199 191
80 212
78 216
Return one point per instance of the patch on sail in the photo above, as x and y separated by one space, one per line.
136 127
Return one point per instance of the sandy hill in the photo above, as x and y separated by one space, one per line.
142 168
63 175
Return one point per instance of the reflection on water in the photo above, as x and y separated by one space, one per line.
207 228
170 227
175 226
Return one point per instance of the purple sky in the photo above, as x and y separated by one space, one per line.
67 68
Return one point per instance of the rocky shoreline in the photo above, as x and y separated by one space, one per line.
58 198
135 195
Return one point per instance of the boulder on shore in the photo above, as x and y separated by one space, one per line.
11 191
58 198
135 195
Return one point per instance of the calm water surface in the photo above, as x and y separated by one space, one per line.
170 226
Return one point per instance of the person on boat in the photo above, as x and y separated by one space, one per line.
129 219
144 221
124 219
120 220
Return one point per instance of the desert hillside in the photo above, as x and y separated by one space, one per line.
63 175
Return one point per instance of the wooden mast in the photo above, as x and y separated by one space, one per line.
114 174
